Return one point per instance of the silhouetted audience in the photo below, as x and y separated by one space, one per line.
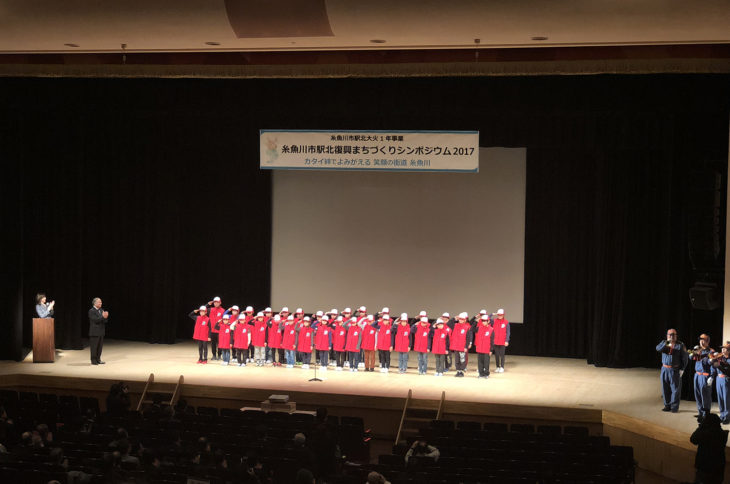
710 440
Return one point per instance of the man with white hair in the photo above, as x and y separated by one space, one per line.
501 339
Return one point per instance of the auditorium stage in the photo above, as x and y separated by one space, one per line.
624 404
527 381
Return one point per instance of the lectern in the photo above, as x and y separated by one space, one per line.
44 340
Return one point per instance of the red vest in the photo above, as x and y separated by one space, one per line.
241 335
224 337
384 339
274 335
339 337
420 337
500 331
438 343
289 337
354 333
200 332
368 338
258 335
215 316
322 337
458 336
304 345
483 338
402 337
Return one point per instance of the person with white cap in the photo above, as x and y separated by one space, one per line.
273 340
440 345
305 340
354 338
385 342
247 355
289 340
224 339
201 333
215 315
339 340
401 341
500 334
460 342
258 338
483 342
422 343
369 336
323 342
241 339
702 379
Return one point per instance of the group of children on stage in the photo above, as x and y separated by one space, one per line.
351 340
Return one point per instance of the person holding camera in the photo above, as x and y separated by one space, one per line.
420 448
674 361
42 308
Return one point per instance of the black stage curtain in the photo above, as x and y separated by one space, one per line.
147 193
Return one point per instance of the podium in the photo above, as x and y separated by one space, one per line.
44 340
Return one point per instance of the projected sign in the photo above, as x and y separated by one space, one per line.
456 151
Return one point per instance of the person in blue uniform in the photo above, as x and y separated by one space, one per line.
721 373
674 361
703 380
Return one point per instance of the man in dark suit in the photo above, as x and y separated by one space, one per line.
97 329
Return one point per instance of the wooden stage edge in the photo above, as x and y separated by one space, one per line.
657 448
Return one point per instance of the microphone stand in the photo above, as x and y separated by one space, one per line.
315 371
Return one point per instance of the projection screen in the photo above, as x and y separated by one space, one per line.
439 242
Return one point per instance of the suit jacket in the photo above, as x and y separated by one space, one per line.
97 323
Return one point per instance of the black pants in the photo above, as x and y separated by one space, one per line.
214 345
96 343
340 357
499 355
483 364
282 355
306 358
202 350
354 357
460 360
440 363
384 356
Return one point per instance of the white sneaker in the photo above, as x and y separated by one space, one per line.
324 369
347 364
305 367
354 369
382 370
339 368
290 366
387 370
361 365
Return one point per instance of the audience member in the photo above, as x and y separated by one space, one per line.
710 440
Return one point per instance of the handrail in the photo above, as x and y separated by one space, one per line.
441 405
176 393
403 416
150 379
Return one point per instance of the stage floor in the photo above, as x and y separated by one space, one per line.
531 381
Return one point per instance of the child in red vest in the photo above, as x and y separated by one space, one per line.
483 343
201 333
401 342
440 345
500 333
421 335
289 340
323 343
224 339
385 342
367 344
241 339
305 338
339 339
354 338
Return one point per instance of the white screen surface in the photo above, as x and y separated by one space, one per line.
410 241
